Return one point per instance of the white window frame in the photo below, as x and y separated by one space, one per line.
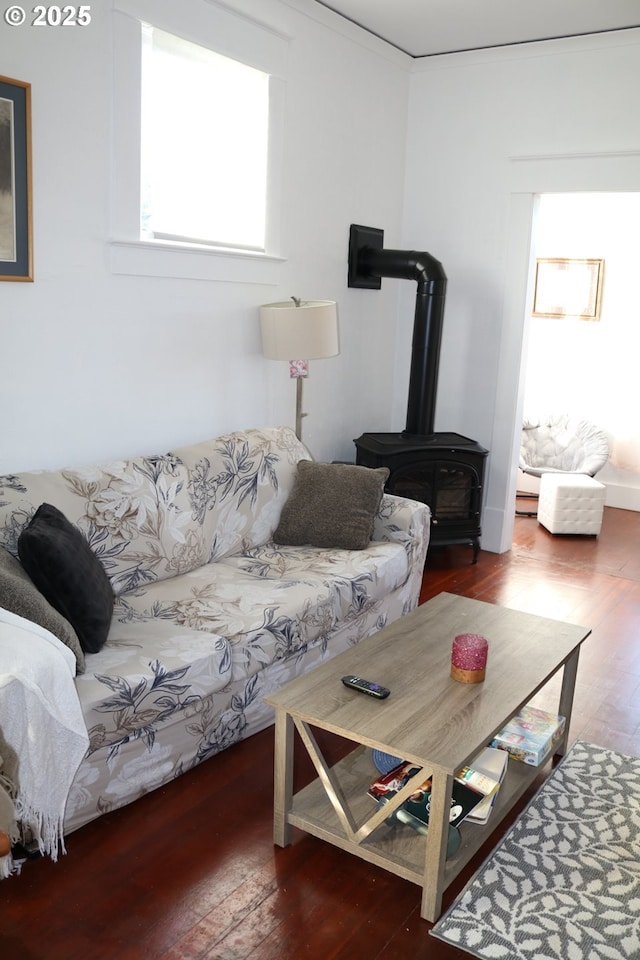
230 35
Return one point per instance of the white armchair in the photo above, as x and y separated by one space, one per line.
558 443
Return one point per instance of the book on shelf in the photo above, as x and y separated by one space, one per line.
415 810
531 735
485 772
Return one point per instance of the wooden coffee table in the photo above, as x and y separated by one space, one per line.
429 719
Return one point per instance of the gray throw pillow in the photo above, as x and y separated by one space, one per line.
20 596
331 505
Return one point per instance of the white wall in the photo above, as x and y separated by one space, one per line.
487 131
97 364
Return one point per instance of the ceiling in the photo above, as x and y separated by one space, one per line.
424 28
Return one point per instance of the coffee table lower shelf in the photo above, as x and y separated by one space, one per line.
398 849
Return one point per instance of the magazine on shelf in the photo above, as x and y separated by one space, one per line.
415 810
486 771
531 735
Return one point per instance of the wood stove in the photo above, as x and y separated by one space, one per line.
444 470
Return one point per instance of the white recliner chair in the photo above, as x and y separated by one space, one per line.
558 443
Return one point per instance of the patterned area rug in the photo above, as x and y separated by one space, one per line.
564 883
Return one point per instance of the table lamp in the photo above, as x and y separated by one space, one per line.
299 331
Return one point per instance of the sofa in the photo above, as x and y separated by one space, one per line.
216 595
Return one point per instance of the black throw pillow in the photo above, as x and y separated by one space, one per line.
65 570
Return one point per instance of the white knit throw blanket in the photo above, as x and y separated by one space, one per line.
42 724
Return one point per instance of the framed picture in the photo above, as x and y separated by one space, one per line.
16 256
568 288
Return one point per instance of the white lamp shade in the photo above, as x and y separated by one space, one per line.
307 332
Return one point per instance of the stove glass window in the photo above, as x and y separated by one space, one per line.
446 487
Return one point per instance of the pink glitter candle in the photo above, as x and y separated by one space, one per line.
469 658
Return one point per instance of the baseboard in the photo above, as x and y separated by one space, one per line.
624 498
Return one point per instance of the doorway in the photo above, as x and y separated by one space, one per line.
528 179
587 368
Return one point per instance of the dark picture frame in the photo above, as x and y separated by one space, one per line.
16 249
568 288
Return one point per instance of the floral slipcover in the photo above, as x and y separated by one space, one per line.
210 615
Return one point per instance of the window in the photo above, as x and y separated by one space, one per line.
198 133
204 145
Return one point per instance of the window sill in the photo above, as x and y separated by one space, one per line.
155 258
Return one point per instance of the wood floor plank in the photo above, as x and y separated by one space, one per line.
181 874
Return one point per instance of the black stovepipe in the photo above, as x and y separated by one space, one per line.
427 326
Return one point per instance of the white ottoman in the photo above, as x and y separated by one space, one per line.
571 503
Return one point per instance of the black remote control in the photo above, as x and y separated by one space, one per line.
365 686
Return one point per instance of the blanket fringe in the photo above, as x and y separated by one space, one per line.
47 830
9 866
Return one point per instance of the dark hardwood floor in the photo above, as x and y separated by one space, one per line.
190 871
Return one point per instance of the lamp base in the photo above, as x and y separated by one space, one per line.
299 413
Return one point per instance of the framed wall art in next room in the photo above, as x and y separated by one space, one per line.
16 253
568 288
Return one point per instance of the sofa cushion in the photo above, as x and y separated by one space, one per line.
62 566
152 518
357 577
147 676
273 602
19 595
262 621
237 485
332 505
135 515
